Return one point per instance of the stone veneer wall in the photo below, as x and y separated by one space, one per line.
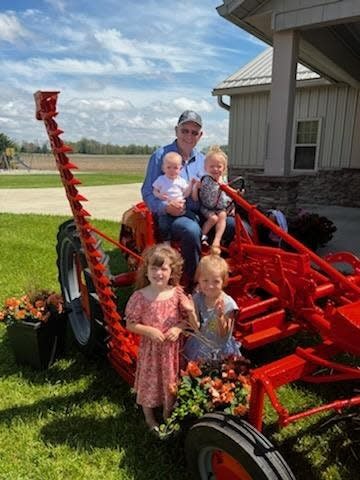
327 187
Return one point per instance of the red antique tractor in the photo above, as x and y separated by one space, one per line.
281 292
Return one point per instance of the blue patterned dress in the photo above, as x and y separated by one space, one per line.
212 199
208 344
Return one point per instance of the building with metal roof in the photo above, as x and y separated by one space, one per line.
294 111
258 72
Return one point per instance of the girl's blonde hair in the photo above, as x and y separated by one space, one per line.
157 255
213 264
215 150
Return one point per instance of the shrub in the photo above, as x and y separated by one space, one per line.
311 229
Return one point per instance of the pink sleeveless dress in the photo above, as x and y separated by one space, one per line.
158 363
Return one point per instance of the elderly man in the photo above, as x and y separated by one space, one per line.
184 229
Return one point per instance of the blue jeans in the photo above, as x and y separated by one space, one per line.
165 223
187 232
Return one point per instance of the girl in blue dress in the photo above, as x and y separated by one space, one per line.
216 313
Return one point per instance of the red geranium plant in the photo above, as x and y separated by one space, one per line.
208 386
33 307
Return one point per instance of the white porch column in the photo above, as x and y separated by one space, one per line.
282 98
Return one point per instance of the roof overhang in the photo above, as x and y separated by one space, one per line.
329 31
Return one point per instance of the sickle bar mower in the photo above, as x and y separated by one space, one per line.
281 292
122 345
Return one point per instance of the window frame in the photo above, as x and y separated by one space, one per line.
316 145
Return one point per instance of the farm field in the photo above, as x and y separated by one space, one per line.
91 163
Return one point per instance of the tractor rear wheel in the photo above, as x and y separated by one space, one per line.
221 447
81 301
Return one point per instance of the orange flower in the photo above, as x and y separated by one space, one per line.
240 410
205 380
12 302
217 383
244 380
20 315
173 388
227 397
193 369
30 309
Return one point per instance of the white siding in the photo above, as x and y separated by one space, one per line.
247 132
336 107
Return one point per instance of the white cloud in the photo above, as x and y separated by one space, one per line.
11 29
105 105
57 4
126 70
197 105
72 66
179 59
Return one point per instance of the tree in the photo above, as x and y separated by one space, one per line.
5 142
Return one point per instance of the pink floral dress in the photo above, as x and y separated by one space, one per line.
157 363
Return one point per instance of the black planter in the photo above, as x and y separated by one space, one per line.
38 344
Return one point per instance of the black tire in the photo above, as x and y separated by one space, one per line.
81 301
255 458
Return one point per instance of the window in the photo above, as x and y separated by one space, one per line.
306 148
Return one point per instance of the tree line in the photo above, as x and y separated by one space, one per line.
84 145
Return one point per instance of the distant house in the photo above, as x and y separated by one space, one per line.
326 130
294 132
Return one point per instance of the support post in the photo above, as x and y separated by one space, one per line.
278 159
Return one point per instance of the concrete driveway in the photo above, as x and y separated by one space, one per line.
104 202
110 202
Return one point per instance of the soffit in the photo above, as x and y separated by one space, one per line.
330 47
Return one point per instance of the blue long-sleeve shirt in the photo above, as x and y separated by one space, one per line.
193 168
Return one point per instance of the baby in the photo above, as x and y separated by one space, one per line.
171 186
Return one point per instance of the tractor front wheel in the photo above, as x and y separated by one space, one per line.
221 447
81 301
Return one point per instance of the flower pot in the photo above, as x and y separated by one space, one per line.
38 344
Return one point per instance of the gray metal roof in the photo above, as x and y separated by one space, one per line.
258 72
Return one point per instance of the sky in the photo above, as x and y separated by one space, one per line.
126 69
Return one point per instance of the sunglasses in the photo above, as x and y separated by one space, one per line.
186 131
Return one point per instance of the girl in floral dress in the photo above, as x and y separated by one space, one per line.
158 311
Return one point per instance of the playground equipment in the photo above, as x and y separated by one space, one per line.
10 159
281 293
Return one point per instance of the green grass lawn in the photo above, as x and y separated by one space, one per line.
53 180
77 420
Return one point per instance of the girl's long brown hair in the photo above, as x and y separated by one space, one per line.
156 255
